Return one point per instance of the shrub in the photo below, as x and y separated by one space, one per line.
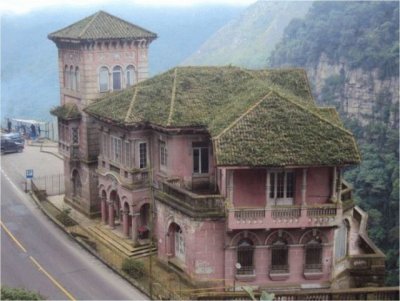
133 268
9 293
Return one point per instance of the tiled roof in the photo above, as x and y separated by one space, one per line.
255 117
66 112
101 25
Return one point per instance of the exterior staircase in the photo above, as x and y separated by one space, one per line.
125 246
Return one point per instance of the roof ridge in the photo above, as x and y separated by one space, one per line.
314 113
242 116
131 104
171 109
89 23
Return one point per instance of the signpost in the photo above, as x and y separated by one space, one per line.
28 175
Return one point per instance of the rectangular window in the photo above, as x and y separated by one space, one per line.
163 154
279 258
142 155
116 149
75 136
200 159
282 185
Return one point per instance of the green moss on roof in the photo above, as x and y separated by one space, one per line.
220 99
101 25
66 112
280 132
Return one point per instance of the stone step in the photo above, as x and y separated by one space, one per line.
122 245
126 243
107 241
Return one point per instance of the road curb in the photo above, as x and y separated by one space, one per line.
85 245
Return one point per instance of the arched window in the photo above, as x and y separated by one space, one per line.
245 257
77 79
117 78
104 79
66 77
130 76
313 255
76 184
72 82
279 256
179 243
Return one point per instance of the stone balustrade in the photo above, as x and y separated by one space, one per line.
193 204
325 215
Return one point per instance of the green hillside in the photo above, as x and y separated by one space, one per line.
359 36
247 41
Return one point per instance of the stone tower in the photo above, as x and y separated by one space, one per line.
96 55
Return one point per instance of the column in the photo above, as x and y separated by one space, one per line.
304 188
104 211
134 226
339 185
267 189
111 215
125 224
334 180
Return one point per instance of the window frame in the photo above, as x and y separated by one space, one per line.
163 154
281 191
245 252
130 75
201 149
104 87
116 149
117 70
279 251
313 251
142 162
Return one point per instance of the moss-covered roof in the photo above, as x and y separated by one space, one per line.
67 111
101 25
255 117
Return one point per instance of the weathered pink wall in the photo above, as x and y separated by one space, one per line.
262 261
318 185
203 242
249 187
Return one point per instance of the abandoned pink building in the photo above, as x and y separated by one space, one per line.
235 174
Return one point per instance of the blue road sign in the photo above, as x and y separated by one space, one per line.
29 173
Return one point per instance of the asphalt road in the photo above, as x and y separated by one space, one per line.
38 256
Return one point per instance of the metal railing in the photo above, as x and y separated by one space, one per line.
52 184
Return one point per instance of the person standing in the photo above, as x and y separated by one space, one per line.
33 132
9 125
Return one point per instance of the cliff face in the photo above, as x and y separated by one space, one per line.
358 93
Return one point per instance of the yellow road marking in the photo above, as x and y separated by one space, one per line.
52 279
12 237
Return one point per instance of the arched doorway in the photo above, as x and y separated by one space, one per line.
144 222
176 242
114 210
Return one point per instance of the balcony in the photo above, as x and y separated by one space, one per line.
188 202
326 215
132 179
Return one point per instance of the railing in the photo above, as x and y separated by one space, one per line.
313 267
368 293
191 203
286 213
327 210
279 269
245 270
284 217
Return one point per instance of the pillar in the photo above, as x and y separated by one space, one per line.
104 211
125 223
111 215
304 188
334 180
267 189
134 226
